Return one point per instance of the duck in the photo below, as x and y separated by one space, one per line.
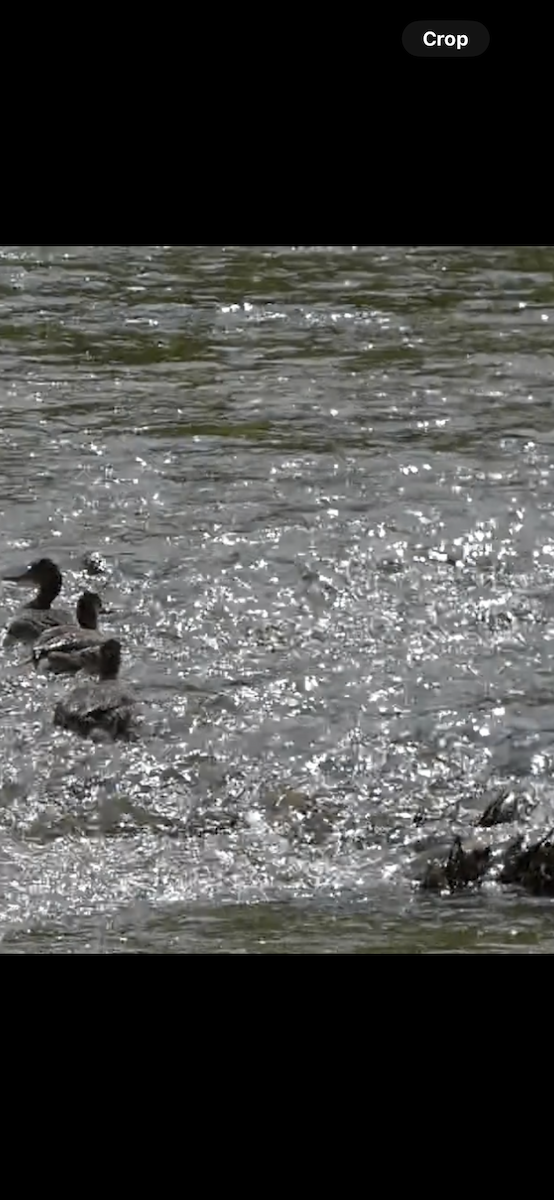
101 705
37 615
71 648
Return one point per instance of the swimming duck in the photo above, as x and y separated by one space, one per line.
102 705
37 615
69 648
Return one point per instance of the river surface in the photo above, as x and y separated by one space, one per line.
320 483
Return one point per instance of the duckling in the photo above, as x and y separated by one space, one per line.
37 615
69 648
101 705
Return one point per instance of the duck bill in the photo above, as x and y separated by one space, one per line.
23 578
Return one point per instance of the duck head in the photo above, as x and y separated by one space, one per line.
89 607
42 574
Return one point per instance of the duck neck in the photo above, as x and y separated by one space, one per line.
88 620
109 673
46 594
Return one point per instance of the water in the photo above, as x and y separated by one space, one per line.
320 480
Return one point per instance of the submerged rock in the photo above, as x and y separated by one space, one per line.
497 620
209 824
463 866
301 815
93 563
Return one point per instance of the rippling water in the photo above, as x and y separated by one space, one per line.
321 483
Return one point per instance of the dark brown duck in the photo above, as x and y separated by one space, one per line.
37 615
102 705
71 648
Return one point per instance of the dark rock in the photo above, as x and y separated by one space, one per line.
502 809
531 868
463 866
